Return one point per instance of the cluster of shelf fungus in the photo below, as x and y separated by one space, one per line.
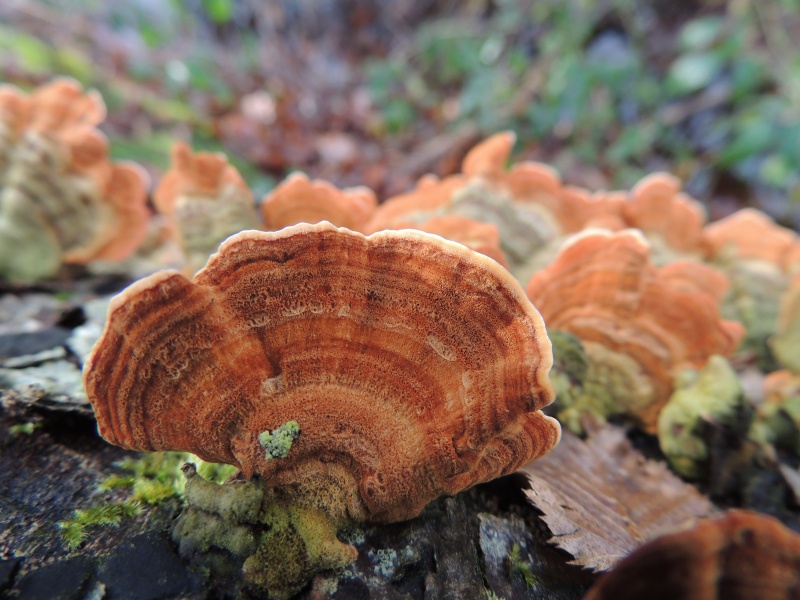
356 360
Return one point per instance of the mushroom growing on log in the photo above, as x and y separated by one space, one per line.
359 377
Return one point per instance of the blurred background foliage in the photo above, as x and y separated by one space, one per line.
382 92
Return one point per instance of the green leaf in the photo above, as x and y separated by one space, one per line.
219 11
747 75
693 71
776 170
34 55
700 33
750 139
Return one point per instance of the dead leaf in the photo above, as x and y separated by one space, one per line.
602 499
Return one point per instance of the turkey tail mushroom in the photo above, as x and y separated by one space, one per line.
412 366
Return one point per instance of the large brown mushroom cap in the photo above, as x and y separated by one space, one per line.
741 556
413 366
603 288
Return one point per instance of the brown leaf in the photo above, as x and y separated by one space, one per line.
602 499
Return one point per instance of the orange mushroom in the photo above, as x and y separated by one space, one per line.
640 325
671 221
749 234
430 197
760 259
411 366
206 201
63 104
740 556
61 199
527 202
477 236
298 200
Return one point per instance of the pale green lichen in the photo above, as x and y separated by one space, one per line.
278 442
785 343
614 384
205 222
277 547
753 300
570 368
524 229
776 424
711 395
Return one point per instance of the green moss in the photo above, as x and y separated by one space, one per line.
522 567
113 482
156 477
74 531
23 428
278 442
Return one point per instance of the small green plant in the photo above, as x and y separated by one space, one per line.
153 479
156 477
522 566
74 531
24 428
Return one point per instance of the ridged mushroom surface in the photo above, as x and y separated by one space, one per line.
413 366
640 323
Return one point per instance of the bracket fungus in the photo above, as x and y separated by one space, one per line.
639 325
739 556
412 366
671 221
527 202
61 199
206 201
475 235
760 258
299 200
